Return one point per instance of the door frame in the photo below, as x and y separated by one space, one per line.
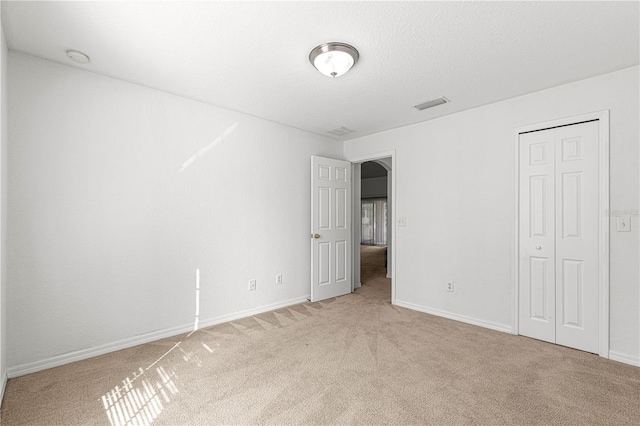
603 220
391 175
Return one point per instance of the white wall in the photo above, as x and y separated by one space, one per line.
455 183
374 187
120 193
3 209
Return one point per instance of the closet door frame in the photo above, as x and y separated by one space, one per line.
603 220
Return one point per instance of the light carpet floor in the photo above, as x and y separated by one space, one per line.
354 359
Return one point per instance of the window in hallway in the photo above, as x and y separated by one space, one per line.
374 221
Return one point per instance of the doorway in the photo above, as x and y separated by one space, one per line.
336 206
376 234
373 226
561 293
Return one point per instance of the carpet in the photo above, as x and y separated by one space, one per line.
354 359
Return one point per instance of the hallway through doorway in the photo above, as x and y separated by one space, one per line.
373 270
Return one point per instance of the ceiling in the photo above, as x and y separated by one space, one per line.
252 57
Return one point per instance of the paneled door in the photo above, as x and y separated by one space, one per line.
558 235
537 236
330 228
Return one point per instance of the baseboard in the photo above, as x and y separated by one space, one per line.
388 275
3 385
56 361
357 285
625 358
250 312
457 317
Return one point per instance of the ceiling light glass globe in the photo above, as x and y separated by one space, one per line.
334 63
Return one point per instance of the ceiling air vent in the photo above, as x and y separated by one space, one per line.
434 102
341 131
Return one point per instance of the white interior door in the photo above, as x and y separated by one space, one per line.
559 268
577 268
537 236
330 228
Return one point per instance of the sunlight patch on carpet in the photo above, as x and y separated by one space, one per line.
141 398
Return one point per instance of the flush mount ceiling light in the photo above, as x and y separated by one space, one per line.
334 59
78 57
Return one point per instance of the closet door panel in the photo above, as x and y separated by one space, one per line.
537 228
577 236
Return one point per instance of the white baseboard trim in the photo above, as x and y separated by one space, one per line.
457 317
625 358
250 312
357 285
3 385
388 275
58 360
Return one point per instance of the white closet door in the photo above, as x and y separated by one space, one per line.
537 236
577 236
558 281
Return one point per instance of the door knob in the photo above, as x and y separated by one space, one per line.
538 247
316 235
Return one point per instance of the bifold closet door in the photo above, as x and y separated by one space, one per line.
537 307
559 269
577 269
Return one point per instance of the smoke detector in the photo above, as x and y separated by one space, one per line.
78 57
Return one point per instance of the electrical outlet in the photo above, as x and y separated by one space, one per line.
252 285
279 279
450 286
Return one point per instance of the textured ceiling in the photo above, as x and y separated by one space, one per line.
253 56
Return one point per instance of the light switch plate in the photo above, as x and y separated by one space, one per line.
624 223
